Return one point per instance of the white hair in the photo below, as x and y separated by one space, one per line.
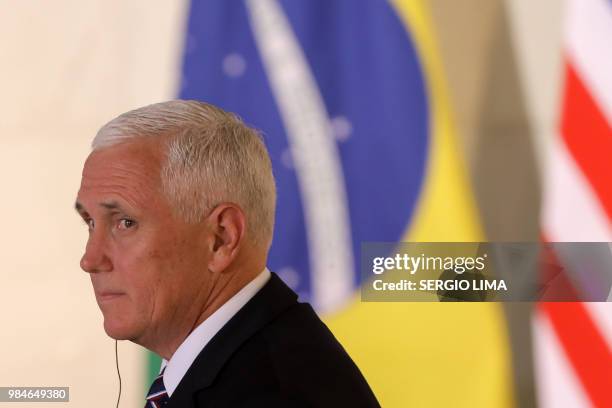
211 157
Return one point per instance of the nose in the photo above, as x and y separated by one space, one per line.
95 259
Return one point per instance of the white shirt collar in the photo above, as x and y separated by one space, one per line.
187 352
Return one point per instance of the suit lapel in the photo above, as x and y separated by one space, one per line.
273 299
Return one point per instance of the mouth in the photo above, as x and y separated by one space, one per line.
108 296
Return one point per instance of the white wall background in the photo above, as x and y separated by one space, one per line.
67 68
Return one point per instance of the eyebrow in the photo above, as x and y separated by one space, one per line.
109 205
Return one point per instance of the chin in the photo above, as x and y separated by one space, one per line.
119 330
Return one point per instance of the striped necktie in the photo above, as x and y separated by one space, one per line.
157 396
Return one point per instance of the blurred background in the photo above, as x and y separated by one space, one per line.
421 120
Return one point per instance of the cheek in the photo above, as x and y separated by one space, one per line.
175 252
139 276
161 273
185 266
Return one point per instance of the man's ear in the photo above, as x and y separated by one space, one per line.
228 226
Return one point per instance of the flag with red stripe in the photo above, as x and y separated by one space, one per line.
573 340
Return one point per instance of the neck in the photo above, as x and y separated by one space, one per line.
226 285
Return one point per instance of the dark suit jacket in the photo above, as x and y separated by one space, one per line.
275 352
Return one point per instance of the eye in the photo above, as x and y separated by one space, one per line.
90 223
126 223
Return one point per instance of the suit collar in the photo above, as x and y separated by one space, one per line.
186 353
273 299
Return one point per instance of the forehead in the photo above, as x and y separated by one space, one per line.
128 171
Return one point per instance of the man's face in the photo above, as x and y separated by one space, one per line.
148 267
